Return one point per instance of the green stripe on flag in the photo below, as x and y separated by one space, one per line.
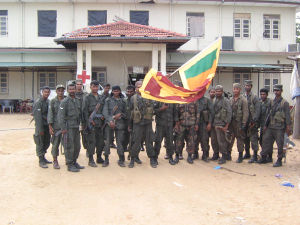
202 65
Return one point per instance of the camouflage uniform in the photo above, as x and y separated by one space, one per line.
265 109
127 139
94 136
222 116
80 96
164 127
188 117
53 120
40 112
69 118
205 108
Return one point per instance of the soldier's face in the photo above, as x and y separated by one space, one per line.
60 92
94 88
116 93
219 93
106 89
71 91
248 88
79 86
129 92
263 95
277 93
236 91
46 93
212 93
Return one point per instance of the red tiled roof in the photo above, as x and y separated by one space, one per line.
121 29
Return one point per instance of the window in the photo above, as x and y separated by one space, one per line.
47 79
271 26
241 77
139 17
195 26
3 22
270 80
242 22
99 74
3 82
97 17
47 23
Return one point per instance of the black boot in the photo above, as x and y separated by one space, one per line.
222 160
278 163
131 164
138 161
106 161
215 157
269 158
247 154
46 161
228 156
240 158
152 162
262 160
55 163
176 160
195 155
205 156
171 161
99 159
253 158
180 156
73 168
76 164
121 161
92 162
156 160
128 157
189 159
42 162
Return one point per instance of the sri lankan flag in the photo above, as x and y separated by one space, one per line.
201 67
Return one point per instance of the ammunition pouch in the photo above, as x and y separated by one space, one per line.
137 116
149 113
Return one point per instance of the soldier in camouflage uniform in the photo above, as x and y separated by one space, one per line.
265 104
92 106
240 115
164 118
41 136
206 116
141 125
53 123
115 114
253 121
69 118
187 120
277 123
222 118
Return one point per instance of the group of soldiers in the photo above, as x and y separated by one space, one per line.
98 119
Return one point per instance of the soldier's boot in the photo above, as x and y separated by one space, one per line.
176 160
137 160
215 157
152 162
92 162
76 164
46 161
99 159
195 155
121 161
247 154
73 168
42 163
190 159
106 161
240 158
278 163
222 160
228 156
262 160
55 163
180 156
205 156
131 164
167 157
253 158
269 158
156 160
128 157
171 161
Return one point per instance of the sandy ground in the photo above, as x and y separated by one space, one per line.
181 194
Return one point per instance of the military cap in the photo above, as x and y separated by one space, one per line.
277 87
60 86
248 82
237 85
219 87
116 87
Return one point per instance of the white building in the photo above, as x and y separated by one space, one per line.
257 38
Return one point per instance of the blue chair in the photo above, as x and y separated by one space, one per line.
7 104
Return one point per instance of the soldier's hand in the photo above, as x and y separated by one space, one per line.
196 127
64 131
51 129
288 130
93 123
208 127
112 124
164 107
102 118
42 133
117 116
129 129
225 128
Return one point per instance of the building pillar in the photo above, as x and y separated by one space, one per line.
155 56
88 63
163 59
79 59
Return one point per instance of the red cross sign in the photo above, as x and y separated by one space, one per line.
83 76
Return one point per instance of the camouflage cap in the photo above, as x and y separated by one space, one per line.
237 85
277 87
248 82
60 86
219 87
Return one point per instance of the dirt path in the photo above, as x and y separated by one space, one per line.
181 194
